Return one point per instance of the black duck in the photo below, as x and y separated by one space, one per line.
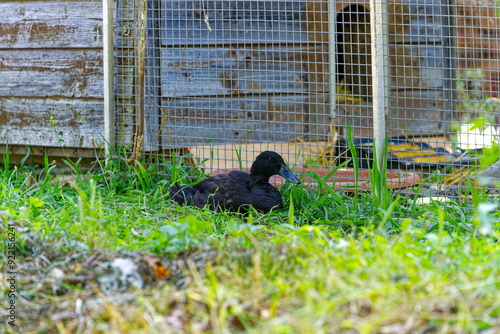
237 191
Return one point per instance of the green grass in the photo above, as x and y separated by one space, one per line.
326 263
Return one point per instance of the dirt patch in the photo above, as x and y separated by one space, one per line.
64 281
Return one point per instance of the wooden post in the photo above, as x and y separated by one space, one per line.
380 74
109 88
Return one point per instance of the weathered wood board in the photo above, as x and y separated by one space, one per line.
233 22
225 71
51 24
40 73
26 121
235 71
196 121
426 21
417 66
416 112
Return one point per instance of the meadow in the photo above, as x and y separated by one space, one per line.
106 251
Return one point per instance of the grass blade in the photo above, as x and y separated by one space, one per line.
355 162
6 158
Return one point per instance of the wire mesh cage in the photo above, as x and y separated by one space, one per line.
218 82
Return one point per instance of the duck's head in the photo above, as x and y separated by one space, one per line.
270 163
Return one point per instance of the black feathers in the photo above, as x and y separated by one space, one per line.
237 191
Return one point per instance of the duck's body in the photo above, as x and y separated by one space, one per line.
237 191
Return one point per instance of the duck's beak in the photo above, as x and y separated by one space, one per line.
287 174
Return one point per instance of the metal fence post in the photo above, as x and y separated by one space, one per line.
380 78
332 59
109 90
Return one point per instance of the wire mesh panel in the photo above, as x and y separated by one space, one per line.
421 88
242 76
222 81
473 131
438 122
127 63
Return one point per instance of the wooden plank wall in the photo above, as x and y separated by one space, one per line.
51 66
